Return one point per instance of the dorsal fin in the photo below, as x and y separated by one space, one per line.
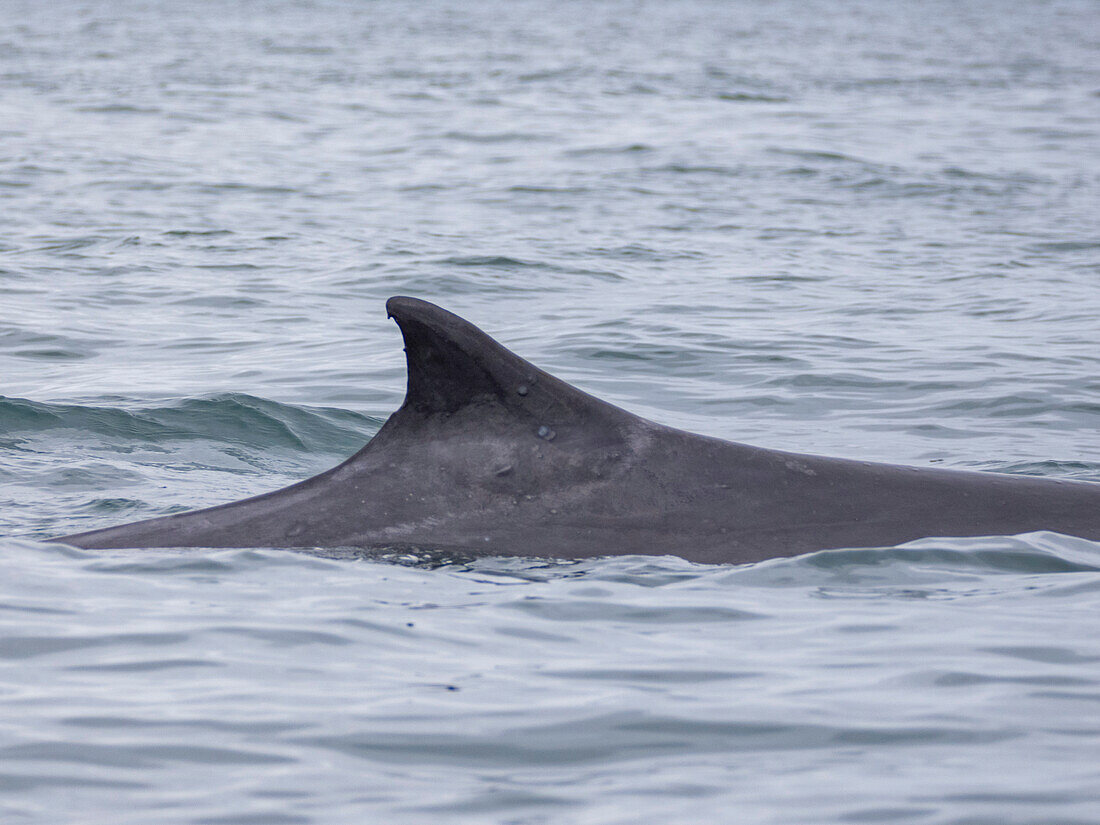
453 365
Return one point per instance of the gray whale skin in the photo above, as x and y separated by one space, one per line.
490 455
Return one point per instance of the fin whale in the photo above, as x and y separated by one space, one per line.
490 455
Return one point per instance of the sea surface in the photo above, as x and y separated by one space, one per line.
846 227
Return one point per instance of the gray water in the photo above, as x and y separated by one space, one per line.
849 228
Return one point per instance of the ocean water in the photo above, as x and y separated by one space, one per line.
843 227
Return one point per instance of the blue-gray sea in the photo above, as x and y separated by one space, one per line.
846 227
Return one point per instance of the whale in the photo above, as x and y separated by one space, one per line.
489 455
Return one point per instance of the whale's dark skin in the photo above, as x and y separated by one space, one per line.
490 455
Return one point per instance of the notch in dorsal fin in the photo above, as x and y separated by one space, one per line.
452 364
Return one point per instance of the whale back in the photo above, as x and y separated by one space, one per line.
489 454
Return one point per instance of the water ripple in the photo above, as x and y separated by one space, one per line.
846 228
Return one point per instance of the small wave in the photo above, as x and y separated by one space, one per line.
749 97
488 261
307 49
1080 470
926 568
22 343
610 737
153 755
587 610
506 263
640 252
28 647
70 244
929 559
1020 405
627 149
104 506
201 233
696 169
233 418
818 155
221 301
246 188
120 109
529 189
1065 246
497 137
